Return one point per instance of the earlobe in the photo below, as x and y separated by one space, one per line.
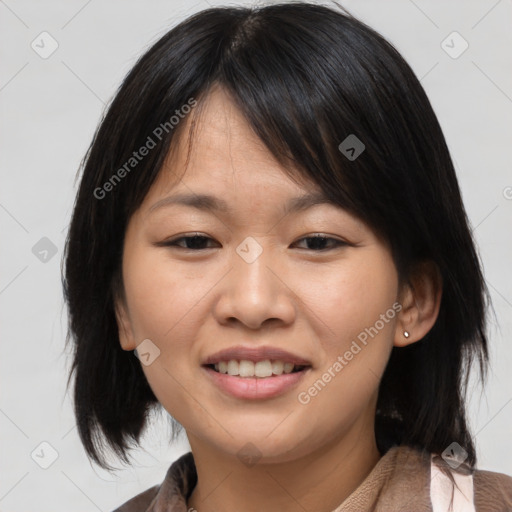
421 301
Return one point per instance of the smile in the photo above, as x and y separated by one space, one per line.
260 369
253 387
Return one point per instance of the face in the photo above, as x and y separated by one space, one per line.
256 277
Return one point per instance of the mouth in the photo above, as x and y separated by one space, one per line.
255 373
261 380
260 370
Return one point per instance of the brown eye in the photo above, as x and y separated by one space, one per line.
192 243
319 242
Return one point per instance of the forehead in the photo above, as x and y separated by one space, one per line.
218 164
218 151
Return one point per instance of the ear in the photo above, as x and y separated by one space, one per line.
124 325
420 297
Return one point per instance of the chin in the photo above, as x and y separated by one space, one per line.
262 449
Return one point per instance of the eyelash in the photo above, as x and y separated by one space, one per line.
173 243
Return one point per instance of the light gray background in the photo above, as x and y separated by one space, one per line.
49 110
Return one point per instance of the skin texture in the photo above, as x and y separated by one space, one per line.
308 301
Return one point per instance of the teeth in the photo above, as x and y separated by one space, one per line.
277 367
288 367
247 369
232 368
260 369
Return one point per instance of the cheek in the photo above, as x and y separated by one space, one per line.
159 294
354 341
352 297
164 306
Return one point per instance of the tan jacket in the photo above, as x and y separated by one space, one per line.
405 479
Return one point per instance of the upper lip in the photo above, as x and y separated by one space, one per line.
256 354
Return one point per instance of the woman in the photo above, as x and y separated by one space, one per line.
269 219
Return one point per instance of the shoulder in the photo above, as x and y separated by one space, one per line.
171 494
492 491
140 502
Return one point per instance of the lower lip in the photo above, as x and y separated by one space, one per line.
255 388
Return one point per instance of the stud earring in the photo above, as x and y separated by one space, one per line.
406 334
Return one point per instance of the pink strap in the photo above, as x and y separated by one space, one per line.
441 491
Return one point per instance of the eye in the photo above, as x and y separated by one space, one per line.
317 242
194 243
197 242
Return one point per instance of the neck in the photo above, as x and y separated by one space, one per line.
319 480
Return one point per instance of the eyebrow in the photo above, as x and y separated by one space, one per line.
210 203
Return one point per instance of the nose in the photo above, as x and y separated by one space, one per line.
256 290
